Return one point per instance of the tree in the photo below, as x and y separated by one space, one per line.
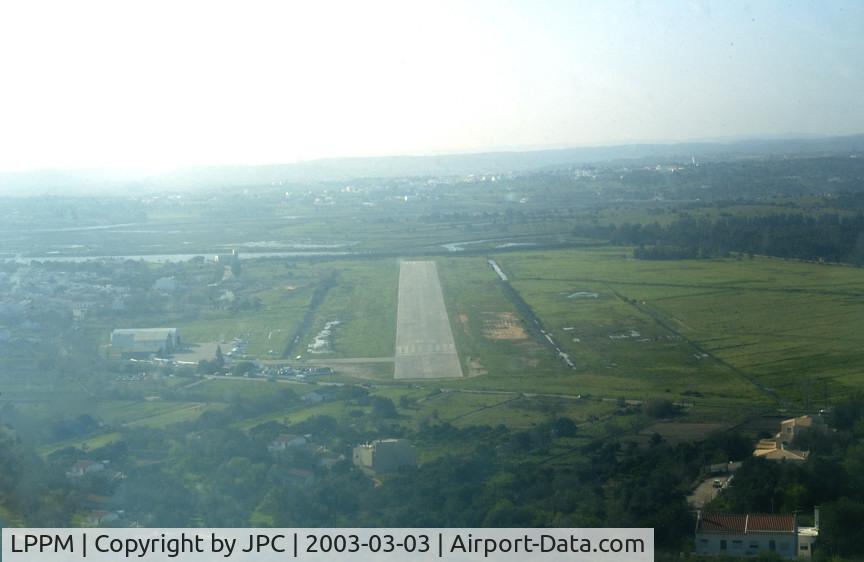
383 407
564 427
209 366
659 408
847 413
243 368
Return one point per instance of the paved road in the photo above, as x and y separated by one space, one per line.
424 341
325 362
706 491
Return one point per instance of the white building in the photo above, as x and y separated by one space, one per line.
385 455
746 534
774 450
778 447
286 441
807 537
145 341
792 427
313 398
82 468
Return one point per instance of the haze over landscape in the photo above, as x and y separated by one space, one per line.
561 266
156 86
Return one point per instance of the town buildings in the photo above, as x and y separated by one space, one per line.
779 447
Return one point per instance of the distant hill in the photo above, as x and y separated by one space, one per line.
344 169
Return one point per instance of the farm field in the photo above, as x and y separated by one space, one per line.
512 355
758 330
268 222
119 415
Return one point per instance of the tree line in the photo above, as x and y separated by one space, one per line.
829 237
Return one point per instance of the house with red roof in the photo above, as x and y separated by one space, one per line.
748 534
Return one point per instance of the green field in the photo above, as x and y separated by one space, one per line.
703 332
727 338
477 305
117 415
363 301
708 326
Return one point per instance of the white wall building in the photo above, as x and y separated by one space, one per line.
385 455
286 441
746 534
145 340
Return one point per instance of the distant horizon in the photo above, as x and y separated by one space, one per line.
732 139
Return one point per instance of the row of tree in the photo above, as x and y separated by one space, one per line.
826 237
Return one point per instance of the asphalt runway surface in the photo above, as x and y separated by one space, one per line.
424 340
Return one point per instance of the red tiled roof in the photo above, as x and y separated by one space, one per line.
742 524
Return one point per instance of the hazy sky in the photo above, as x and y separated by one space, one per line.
166 83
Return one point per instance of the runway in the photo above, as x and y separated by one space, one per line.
424 341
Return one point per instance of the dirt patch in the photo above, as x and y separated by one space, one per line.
503 326
198 351
463 319
475 367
